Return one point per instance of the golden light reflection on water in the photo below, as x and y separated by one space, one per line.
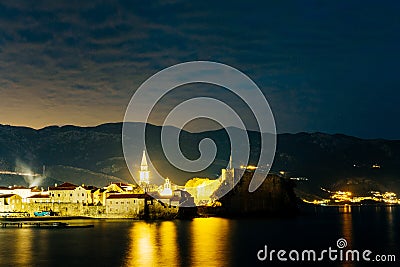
197 242
25 246
168 249
153 244
347 230
22 242
347 224
142 242
210 240
160 244
391 226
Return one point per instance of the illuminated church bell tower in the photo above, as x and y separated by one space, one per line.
144 171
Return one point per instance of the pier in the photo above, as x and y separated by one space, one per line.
15 224
41 224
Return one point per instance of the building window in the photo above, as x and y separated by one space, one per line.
110 202
83 194
122 202
70 195
134 201
58 195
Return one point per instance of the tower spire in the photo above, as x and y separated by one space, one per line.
144 171
143 165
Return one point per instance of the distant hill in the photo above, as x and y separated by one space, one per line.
81 176
334 161
93 155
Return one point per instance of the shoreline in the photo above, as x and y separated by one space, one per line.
49 218
200 215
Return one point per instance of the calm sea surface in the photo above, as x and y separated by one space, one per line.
204 241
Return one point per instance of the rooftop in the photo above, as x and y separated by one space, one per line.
61 188
5 188
19 187
64 186
119 196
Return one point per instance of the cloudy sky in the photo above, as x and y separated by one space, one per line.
328 66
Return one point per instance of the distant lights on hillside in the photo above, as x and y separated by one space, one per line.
373 166
248 167
346 197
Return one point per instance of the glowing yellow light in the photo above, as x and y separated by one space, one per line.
167 191
209 241
251 167
142 251
202 189
248 167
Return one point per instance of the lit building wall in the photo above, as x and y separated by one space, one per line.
10 203
69 195
23 192
125 205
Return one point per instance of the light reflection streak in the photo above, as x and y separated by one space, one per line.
210 240
141 245
347 230
391 227
152 244
168 249
23 239
157 244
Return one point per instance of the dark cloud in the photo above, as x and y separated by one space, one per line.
324 66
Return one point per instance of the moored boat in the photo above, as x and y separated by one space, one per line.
42 213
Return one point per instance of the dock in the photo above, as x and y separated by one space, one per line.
15 224
41 224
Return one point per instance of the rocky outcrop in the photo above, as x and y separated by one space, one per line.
275 197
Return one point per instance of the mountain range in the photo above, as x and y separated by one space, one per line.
93 155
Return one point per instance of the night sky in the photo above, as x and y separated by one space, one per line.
327 66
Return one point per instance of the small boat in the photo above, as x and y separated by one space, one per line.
80 226
51 225
42 213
